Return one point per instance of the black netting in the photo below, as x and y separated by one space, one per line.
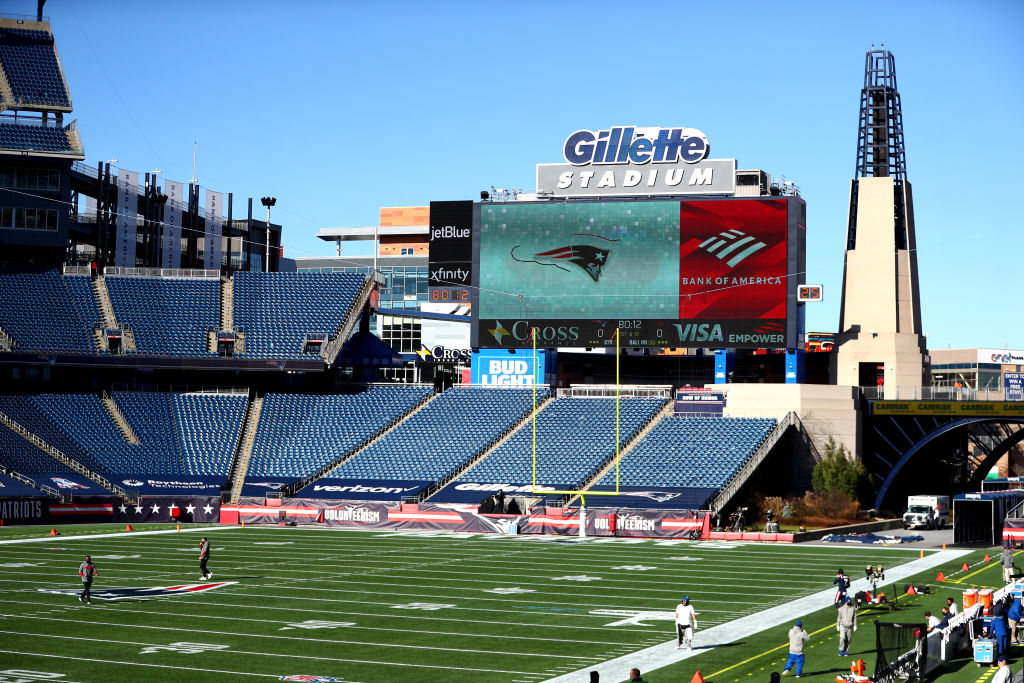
900 650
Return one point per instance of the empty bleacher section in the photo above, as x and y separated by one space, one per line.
299 434
575 437
443 436
180 434
277 310
83 298
18 454
35 138
167 316
32 68
40 313
691 452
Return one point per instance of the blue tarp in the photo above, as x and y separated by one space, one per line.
870 538
12 487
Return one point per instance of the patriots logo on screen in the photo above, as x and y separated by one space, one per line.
589 258
141 593
725 244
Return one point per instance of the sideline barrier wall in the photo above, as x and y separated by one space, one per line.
433 517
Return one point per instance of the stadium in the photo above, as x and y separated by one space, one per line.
498 448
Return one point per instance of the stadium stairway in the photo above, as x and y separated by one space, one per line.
59 455
526 419
227 314
99 285
295 487
119 419
333 347
243 450
737 481
666 410
6 342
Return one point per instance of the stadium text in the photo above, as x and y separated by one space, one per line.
356 488
632 178
621 145
730 281
21 509
458 274
698 332
636 524
757 338
449 231
513 488
352 515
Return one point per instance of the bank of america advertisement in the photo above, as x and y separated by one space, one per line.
699 273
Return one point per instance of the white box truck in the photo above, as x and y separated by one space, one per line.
929 512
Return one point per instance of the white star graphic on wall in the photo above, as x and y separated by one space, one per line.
155 508
208 509
190 509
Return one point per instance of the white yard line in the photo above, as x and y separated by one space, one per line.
90 537
655 657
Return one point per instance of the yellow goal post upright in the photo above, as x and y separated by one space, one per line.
579 493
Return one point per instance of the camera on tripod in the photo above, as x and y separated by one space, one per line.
737 520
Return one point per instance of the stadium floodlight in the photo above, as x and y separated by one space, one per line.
268 202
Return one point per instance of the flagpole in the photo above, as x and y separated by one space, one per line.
534 409
617 410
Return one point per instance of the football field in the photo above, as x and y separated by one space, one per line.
389 606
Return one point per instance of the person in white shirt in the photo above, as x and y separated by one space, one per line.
1003 673
686 623
953 609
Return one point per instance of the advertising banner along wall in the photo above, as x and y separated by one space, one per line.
126 230
170 242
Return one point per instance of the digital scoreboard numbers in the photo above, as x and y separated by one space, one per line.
443 295
809 293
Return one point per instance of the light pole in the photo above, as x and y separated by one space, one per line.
268 202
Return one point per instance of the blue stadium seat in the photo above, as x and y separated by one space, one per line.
40 312
168 317
30 63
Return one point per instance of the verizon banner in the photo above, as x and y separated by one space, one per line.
170 242
125 230
212 241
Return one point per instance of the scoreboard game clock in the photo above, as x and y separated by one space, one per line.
444 295
809 293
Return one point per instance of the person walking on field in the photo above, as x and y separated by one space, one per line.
797 637
86 570
204 557
686 623
846 624
1006 557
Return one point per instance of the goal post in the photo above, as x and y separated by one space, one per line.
580 492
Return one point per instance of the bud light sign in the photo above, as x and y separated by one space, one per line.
505 367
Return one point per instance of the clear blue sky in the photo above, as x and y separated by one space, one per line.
340 108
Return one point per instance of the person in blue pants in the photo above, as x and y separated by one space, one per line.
797 637
1001 632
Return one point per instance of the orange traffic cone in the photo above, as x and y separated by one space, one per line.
697 678
965 567
986 558
940 577
54 532
911 591
857 668
128 528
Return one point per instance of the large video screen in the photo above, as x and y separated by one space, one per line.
706 273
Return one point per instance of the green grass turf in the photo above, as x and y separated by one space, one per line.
383 606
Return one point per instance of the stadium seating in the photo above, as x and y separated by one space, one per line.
40 313
574 436
168 317
29 60
34 138
450 430
18 454
687 451
277 310
83 298
300 433
179 434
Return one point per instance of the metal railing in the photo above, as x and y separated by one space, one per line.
910 393
753 462
623 390
179 273
77 270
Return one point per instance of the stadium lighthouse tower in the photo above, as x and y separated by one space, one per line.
880 341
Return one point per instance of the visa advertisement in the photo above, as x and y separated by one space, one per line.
694 273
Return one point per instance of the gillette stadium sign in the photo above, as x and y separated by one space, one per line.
636 161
